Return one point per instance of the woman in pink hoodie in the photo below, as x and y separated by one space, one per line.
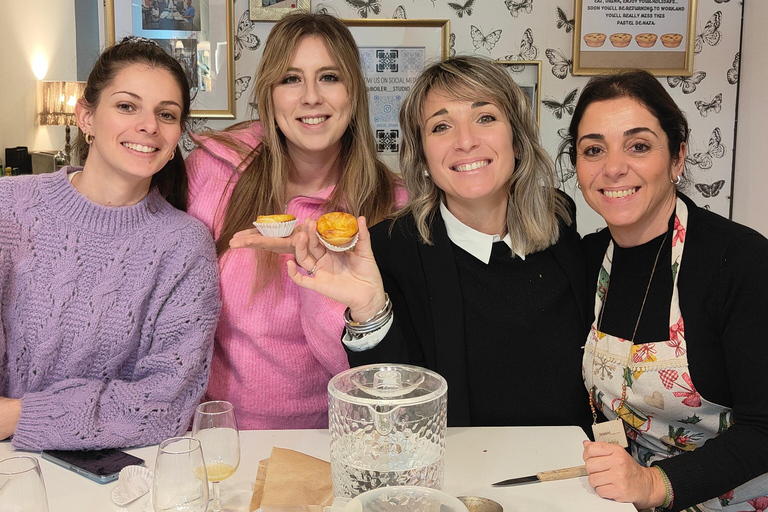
312 152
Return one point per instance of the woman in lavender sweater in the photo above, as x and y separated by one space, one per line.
108 292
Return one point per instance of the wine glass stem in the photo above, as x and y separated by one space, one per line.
216 504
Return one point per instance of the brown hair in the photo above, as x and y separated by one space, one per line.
640 86
171 180
365 185
534 205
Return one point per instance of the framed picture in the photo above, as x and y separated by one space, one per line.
271 10
527 74
393 54
198 33
656 36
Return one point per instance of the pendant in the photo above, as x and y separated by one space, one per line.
611 432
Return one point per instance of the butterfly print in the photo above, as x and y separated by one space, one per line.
322 10
711 33
451 45
722 1
461 10
194 125
487 42
710 190
733 73
241 84
560 63
244 39
688 82
715 149
527 52
365 6
567 106
715 105
527 49
399 13
563 21
565 169
515 7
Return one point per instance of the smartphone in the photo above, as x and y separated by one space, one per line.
101 466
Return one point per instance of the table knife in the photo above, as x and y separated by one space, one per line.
546 476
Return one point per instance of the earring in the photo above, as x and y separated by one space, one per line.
88 138
578 185
426 173
677 181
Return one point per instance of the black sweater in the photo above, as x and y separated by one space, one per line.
723 286
429 320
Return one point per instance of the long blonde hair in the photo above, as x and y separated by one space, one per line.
365 185
534 205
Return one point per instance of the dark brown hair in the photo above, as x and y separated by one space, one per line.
635 84
171 180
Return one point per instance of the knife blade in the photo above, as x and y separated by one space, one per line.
546 476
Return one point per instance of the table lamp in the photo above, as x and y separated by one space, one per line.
58 106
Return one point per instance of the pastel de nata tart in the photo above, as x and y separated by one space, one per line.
594 39
275 218
646 40
337 230
620 40
671 40
275 226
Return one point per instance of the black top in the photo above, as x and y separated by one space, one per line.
722 285
429 329
511 380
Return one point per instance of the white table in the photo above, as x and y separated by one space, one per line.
475 458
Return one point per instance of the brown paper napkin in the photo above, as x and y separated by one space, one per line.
290 481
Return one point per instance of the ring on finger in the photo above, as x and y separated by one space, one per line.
311 272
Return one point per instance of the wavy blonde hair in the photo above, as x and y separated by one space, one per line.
365 185
534 205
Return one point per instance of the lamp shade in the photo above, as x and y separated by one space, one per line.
58 102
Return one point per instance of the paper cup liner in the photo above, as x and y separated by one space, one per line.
339 248
133 483
276 229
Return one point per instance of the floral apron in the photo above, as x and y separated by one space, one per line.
663 413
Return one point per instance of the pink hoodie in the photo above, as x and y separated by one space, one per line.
273 356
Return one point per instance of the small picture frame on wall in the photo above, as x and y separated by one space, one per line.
199 38
658 37
526 74
393 53
272 10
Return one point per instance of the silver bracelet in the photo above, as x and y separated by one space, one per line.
374 323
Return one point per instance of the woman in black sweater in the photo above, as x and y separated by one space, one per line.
677 348
482 269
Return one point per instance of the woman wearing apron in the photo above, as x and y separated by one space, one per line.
676 353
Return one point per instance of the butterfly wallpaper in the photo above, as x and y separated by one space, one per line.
543 30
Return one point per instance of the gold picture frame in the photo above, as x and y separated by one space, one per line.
203 45
658 38
260 12
393 52
526 74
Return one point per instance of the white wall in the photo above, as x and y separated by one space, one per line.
28 28
750 186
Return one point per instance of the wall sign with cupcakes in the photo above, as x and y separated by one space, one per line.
655 35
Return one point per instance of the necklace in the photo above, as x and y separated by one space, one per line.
621 411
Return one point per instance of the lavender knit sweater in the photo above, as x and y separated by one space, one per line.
107 315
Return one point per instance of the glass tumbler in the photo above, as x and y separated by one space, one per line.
21 485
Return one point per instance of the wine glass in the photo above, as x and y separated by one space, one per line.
21 485
180 482
215 426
